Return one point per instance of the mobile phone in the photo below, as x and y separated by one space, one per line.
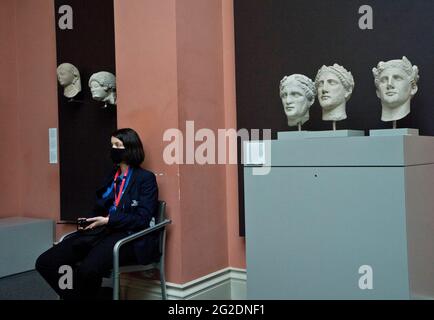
82 223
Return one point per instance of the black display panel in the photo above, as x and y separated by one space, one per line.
84 125
274 38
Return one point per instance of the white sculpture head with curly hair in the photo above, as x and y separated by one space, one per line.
69 78
334 84
396 83
298 94
103 87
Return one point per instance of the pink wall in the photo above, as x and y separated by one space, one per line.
146 71
37 100
200 99
9 118
28 101
236 244
179 54
175 62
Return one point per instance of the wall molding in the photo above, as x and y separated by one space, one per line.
225 284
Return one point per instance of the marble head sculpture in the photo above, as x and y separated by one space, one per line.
69 78
103 87
298 95
396 83
334 85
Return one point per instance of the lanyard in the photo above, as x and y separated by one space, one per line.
125 179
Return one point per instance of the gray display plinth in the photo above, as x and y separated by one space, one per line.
330 206
22 240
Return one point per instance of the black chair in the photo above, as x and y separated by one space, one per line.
160 226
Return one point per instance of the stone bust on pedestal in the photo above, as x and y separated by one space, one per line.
334 85
298 94
103 87
396 83
69 78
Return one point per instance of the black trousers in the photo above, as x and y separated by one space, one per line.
89 264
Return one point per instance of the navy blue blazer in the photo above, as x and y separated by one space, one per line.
135 211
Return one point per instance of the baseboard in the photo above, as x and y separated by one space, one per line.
225 284
420 297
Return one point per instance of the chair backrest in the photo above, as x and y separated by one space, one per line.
161 216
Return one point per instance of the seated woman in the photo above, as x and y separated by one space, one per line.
126 203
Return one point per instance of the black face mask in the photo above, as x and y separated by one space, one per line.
117 155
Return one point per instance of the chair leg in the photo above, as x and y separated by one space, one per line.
163 285
115 286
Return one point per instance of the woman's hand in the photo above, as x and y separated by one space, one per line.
97 222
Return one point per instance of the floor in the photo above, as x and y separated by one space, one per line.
26 286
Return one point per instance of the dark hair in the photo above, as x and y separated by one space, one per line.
135 154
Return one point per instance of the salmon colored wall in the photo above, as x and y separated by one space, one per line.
175 63
200 94
146 75
9 117
28 108
37 100
236 244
